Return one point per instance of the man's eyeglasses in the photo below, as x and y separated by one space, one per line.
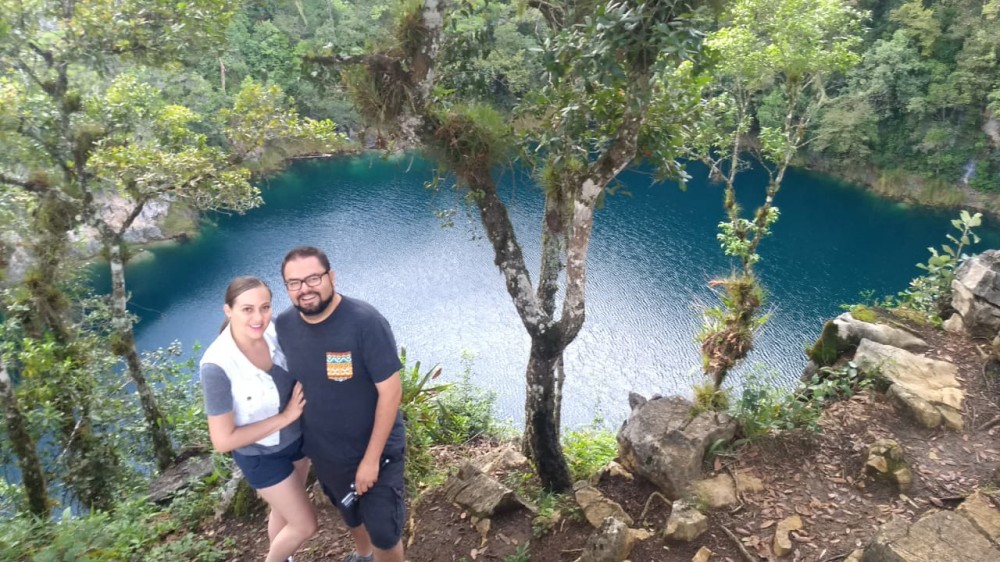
311 281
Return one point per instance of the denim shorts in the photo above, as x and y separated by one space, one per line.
382 509
264 471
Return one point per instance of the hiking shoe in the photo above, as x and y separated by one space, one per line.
355 557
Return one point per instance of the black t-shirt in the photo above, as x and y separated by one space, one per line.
338 362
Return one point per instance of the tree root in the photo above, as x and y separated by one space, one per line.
649 500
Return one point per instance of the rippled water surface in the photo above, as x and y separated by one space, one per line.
653 250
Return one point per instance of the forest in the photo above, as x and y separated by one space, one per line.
129 103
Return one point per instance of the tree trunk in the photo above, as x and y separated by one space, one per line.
541 415
124 345
89 467
32 475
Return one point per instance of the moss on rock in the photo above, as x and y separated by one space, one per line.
246 502
827 348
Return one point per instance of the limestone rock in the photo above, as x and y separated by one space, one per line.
179 476
717 492
480 494
596 507
723 491
661 442
747 483
782 540
611 470
611 542
703 555
639 535
976 294
940 536
507 458
855 556
851 331
317 495
954 324
885 460
686 523
983 516
927 388
991 127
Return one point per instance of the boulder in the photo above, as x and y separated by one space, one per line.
976 294
180 475
612 542
480 494
686 523
927 388
983 516
661 442
596 507
851 331
940 536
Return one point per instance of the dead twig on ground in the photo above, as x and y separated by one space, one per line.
739 546
990 424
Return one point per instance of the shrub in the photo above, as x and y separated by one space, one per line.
440 414
836 383
132 531
588 449
764 407
931 293
707 398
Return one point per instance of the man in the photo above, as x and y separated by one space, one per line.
344 354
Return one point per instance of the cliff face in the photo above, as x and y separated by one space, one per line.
148 227
160 220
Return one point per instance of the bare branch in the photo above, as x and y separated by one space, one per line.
17 182
334 60
554 14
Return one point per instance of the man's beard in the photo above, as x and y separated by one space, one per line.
318 309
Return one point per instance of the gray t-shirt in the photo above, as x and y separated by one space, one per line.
219 400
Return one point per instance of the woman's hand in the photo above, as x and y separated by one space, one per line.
296 404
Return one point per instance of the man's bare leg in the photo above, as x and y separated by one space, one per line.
362 542
363 546
394 554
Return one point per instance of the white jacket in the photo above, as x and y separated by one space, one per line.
255 396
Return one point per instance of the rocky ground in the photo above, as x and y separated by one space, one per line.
814 476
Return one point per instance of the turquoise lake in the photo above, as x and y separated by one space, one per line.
653 251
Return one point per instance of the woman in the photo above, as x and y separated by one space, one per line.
253 407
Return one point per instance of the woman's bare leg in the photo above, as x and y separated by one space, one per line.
291 519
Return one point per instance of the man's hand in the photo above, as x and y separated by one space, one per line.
366 476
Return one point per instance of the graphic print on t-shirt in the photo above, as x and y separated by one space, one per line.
338 365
